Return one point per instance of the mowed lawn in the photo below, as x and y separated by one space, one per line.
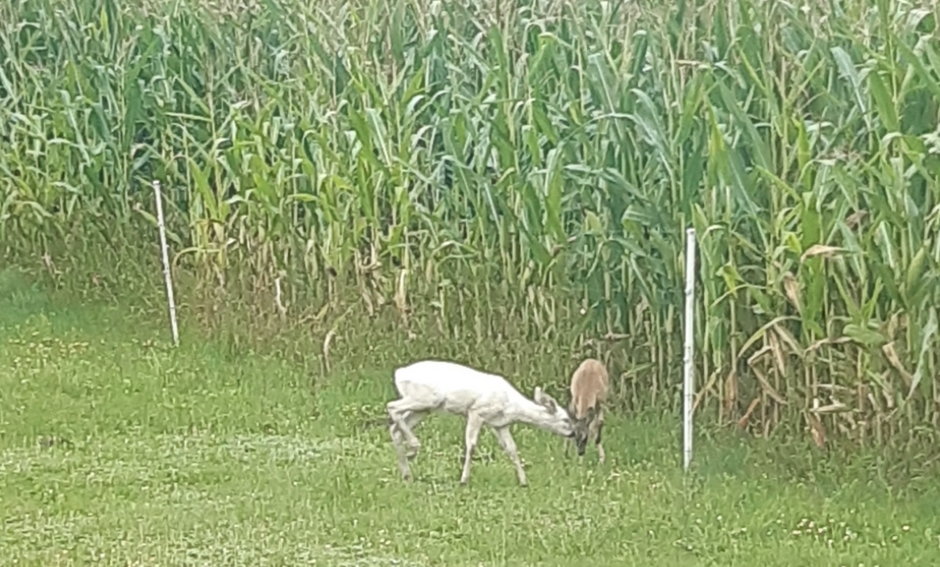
117 450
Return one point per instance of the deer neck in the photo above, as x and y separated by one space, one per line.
529 412
582 404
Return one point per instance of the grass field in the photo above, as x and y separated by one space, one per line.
115 449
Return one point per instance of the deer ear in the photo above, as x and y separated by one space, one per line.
546 400
537 396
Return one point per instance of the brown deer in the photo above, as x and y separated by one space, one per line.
589 385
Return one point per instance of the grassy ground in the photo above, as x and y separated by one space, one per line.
117 450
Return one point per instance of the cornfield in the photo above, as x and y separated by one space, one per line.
524 167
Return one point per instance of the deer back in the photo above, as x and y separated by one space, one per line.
589 385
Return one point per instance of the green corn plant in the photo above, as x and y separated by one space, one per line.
522 174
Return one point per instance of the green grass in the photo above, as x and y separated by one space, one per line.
115 449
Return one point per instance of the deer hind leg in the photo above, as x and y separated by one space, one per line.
474 423
400 427
400 449
412 420
398 412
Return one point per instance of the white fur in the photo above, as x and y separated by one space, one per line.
484 399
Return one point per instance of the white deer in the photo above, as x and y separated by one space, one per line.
483 398
589 385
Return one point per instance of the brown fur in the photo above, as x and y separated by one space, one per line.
589 385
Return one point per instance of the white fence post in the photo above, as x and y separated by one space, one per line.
167 277
688 377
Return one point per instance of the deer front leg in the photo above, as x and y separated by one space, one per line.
504 436
601 456
474 423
